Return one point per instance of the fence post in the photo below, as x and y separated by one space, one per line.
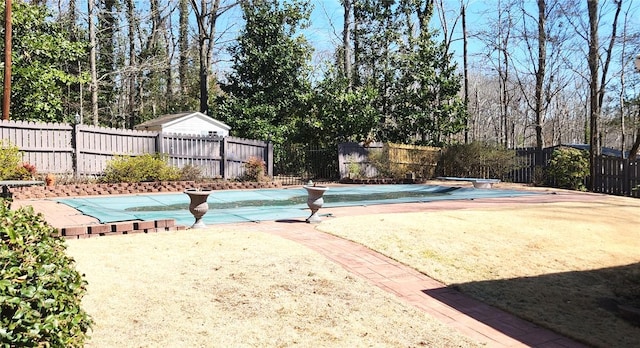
160 143
223 158
268 156
626 185
76 150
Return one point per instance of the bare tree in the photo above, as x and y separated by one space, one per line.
538 62
92 62
597 83
131 19
540 73
448 19
206 15
465 63
498 42
626 60
347 5
183 42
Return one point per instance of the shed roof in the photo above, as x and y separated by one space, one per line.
606 151
168 120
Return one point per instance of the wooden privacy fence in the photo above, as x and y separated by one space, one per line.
83 150
617 176
355 160
530 163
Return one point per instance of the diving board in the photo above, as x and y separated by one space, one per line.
477 182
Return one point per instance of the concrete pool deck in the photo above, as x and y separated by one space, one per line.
479 321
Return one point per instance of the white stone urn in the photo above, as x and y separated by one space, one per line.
314 201
198 205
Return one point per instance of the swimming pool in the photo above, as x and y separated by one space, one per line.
227 206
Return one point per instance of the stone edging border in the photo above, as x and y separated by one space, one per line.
119 228
72 190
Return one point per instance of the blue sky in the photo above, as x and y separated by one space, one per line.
324 34
325 29
327 18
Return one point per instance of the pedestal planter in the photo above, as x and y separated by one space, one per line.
198 205
315 201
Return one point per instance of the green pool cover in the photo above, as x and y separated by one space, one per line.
227 206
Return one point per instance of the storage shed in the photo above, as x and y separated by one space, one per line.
191 123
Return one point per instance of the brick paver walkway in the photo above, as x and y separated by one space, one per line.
470 317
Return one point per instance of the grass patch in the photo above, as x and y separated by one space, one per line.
233 287
565 266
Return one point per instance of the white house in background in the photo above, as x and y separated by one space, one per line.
191 123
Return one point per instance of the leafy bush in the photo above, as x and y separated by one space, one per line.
10 159
539 176
567 168
142 168
20 173
254 170
354 169
28 168
191 172
477 160
40 290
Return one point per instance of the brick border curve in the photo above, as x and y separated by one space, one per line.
72 190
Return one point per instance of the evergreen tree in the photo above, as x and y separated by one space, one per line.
338 113
269 78
428 108
39 62
377 36
416 82
108 61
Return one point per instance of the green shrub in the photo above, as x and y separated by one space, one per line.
20 173
354 169
142 168
567 168
10 161
477 160
379 160
539 176
40 290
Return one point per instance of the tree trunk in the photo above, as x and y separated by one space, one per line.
636 144
597 84
623 131
183 42
504 38
465 63
6 97
346 46
108 25
540 73
92 63
594 110
203 73
206 19
357 17
132 63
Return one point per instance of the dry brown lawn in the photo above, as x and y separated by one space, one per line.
565 266
222 287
